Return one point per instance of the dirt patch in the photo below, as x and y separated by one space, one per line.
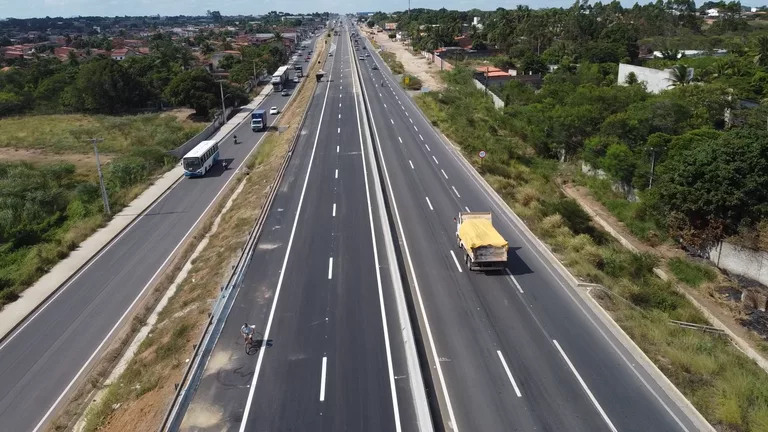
415 64
184 115
82 162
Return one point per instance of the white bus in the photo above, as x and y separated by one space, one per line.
200 159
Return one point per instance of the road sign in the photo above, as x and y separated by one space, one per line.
407 79
482 154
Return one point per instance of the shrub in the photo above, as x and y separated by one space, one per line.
691 273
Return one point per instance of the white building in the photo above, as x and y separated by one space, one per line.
655 80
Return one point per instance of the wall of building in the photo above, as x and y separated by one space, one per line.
655 80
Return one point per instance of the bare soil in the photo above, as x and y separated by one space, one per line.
82 162
415 64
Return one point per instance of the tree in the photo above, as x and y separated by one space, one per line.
104 86
761 52
193 88
680 75
712 182
620 163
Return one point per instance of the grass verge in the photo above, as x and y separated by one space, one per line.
691 273
140 396
49 188
390 59
729 389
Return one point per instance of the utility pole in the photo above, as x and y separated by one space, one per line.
223 108
104 196
653 166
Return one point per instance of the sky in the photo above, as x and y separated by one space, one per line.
69 8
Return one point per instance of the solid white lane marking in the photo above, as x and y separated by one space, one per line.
514 281
430 337
393 122
330 268
430 204
435 159
455 191
388 349
422 138
401 140
409 161
456 261
584 386
444 174
322 379
271 317
337 174
509 374
334 209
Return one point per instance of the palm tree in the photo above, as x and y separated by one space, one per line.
680 75
761 58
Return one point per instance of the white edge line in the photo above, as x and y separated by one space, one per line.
431 339
514 281
135 300
509 374
456 261
390 367
322 379
260 360
584 386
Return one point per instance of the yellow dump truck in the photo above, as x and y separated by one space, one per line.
484 248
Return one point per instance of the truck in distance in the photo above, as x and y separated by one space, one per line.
484 248
258 120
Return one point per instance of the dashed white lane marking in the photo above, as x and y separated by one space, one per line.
401 140
337 174
330 268
514 281
509 374
422 138
455 191
584 386
456 261
429 203
322 379
444 174
410 163
334 209
435 160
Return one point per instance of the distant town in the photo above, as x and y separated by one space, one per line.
208 37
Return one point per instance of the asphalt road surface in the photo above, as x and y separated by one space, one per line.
40 360
328 350
516 351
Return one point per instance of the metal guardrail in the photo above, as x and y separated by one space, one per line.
185 388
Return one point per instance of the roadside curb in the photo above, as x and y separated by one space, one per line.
128 216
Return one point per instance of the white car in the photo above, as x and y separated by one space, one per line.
273 111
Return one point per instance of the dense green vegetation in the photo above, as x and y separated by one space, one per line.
709 155
47 209
722 383
106 86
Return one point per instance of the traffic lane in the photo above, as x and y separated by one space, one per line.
606 375
229 371
332 315
126 267
470 316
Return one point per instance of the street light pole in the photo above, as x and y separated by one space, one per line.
104 196
653 166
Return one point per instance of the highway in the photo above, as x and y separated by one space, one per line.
328 341
43 359
517 351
